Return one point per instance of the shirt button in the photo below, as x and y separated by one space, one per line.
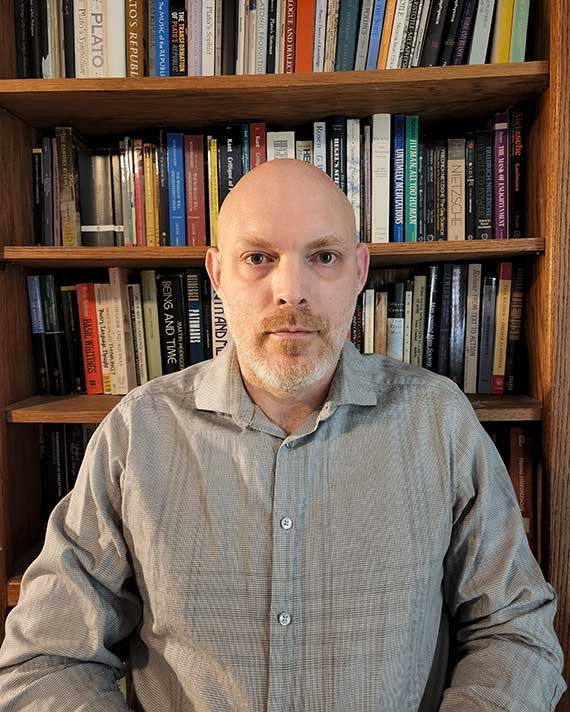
288 446
286 523
284 618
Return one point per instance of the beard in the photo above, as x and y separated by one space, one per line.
288 365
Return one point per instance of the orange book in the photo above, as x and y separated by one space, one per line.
386 34
89 338
304 35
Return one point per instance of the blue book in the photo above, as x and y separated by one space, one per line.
348 17
375 33
162 37
399 163
245 148
176 197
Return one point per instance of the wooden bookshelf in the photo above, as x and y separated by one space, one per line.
454 95
83 408
381 254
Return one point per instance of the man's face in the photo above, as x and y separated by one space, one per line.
289 278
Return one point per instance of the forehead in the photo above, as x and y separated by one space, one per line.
274 242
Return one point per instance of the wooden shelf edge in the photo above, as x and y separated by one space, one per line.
92 409
380 253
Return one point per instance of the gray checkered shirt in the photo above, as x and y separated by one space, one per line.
335 569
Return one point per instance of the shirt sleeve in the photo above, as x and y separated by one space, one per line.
76 601
508 657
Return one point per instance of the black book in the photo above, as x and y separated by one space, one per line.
517 163
336 150
178 39
74 353
229 34
206 287
74 452
470 216
55 336
271 36
37 194
444 324
396 319
23 39
118 215
38 334
432 310
451 33
356 331
434 33
440 189
47 182
422 184
96 198
457 332
42 11
163 214
195 313
430 192
484 185
36 40
171 303
69 39
55 485
230 165
487 334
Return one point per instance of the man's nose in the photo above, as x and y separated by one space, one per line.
290 283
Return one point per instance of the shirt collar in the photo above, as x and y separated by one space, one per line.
221 387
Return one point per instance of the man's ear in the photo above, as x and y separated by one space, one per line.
214 267
362 264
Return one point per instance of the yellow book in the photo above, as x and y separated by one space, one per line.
155 193
148 196
213 189
386 34
501 48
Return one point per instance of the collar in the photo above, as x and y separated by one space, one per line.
221 387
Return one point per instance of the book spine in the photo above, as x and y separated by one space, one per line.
470 213
456 189
194 185
457 329
196 344
162 37
487 334
352 169
514 338
115 33
434 34
501 327
70 313
464 33
411 33
484 185
320 35
38 334
103 335
519 30
422 185
399 163
518 149
68 196
37 195
432 309
378 14
521 473
89 338
22 26
444 320
97 38
229 28
440 189
194 21
290 32
411 206
122 332
430 192
177 206
481 31
380 221
138 185
208 38
408 314
500 48
398 33
219 325
151 325
418 320
170 287
135 38
363 35
501 173
135 311
452 32
368 310
473 308
396 320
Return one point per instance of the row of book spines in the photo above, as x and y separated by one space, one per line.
467 188
211 37
456 321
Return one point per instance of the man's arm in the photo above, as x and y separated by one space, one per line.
75 604
509 657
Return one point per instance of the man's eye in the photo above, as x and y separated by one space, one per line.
326 258
255 259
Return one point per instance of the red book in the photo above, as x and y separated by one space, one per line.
195 196
89 338
138 170
290 16
257 145
304 36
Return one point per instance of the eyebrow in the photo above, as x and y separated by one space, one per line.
319 243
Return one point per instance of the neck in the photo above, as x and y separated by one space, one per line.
287 409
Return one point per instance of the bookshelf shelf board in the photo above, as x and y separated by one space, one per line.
112 106
92 409
382 254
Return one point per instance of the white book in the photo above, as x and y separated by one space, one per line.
280 144
208 37
218 39
380 164
115 36
408 316
96 37
241 35
304 150
456 189
135 304
473 307
103 334
151 325
418 320
320 36
481 32
353 170
395 339
80 16
398 33
419 38
280 38
331 36
320 144
122 332
406 28
416 37
261 37
369 312
219 325
363 35
48 62
194 34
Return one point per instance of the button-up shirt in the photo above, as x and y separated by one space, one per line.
339 567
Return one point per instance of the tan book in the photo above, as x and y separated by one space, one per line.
501 327
134 38
381 322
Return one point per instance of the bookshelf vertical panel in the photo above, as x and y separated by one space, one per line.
7 40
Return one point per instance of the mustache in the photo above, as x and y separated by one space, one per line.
293 318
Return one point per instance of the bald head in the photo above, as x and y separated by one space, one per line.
285 190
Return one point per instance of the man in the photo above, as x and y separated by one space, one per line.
291 526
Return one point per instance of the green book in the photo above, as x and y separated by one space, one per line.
411 189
